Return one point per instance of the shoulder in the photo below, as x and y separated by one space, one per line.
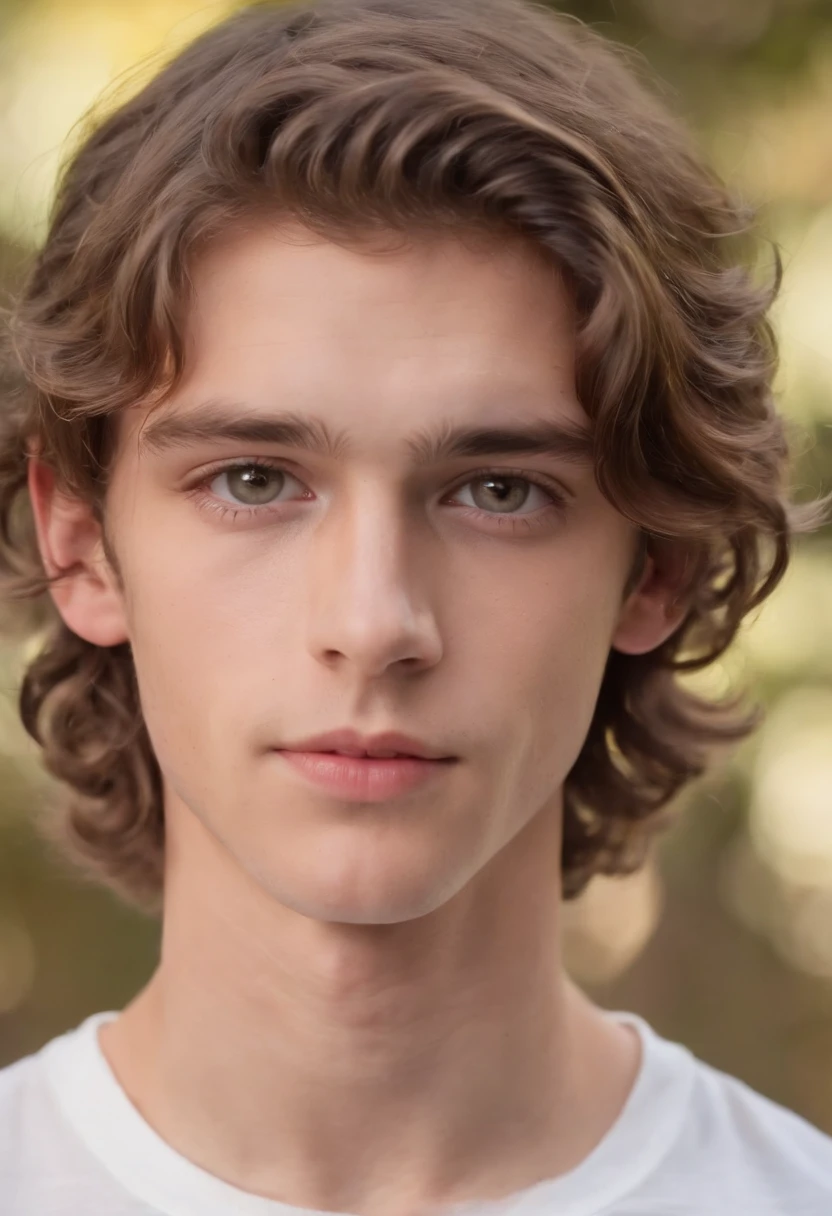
44 1166
32 1131
22 1093
708 1143
25 1118
756 1156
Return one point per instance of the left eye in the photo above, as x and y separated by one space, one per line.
503 492
253 485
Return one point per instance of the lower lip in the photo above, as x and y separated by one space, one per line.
364 779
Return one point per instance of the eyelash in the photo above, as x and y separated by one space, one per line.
207 502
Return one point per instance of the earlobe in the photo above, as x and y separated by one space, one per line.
87 596
655 608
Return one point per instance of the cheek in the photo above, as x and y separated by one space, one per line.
547 637
556 613
210 635
204 590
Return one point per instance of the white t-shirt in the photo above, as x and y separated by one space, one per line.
690 1141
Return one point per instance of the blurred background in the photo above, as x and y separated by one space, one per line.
724 941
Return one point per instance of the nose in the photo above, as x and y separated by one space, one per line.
369 604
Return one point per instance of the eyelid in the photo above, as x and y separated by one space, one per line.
222 466
534 476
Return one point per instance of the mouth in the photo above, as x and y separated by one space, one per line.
365 778
365 755
384 745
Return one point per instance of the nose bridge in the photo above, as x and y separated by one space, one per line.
367 603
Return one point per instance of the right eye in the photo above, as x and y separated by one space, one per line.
252 484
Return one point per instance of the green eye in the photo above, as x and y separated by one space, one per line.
506 494
253 484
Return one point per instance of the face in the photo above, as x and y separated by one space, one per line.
303 550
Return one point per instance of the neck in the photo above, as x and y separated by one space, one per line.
370 1068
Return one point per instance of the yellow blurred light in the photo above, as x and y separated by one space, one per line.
748 888
58 59
791 806
779 880
803 935
720 679
793 630
606 929
803 317
795 919
781 146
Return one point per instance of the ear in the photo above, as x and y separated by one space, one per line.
656 607
69 537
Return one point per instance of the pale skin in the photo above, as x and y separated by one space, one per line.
363 1008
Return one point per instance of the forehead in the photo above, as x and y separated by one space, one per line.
287 264
388 334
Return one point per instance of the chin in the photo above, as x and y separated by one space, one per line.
364 911
385 898
360 872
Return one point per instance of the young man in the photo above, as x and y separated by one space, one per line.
395 418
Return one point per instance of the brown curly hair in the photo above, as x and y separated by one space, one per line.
413 115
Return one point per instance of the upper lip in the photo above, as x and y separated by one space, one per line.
351 742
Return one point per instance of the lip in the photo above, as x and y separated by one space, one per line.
348 740
364 778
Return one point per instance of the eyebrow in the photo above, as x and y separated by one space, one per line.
218 421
